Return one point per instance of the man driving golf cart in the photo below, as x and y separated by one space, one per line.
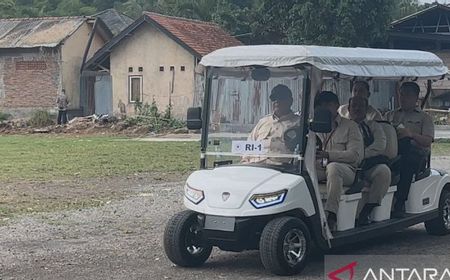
271 129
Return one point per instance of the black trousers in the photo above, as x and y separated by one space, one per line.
412 162
62 117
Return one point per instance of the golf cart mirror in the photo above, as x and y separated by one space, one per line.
194 118
292 137
322 121
261 74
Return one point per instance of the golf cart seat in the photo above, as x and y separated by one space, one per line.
348 205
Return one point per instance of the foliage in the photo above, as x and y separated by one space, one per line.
324 22
148 115
41 118
4 116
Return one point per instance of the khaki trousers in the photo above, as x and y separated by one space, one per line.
337 175
379 178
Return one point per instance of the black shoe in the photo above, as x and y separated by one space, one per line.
332 221
364 216
399 210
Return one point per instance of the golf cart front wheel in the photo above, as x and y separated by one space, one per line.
284 246
441 224
181 241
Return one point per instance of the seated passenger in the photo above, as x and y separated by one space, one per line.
415 131
271 128
376 176
361 88
341 152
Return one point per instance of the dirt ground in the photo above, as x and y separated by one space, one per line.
121 238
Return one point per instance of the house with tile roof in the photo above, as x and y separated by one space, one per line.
154 59
41 56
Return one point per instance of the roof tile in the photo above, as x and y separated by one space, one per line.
202 37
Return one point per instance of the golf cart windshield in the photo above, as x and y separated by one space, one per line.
242 127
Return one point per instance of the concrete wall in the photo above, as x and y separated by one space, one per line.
72 58
151 49
29 80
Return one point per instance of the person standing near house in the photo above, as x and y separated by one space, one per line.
62 102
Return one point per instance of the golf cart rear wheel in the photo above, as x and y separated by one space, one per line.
284 246
181 241
441 224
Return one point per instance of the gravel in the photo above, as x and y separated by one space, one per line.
123 240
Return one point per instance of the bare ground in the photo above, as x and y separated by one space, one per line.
121 238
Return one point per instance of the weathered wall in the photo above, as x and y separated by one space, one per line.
72 58
29 80
150 49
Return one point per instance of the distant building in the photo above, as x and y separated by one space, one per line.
41 56
427 30
153 59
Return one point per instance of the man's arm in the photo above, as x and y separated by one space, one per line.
379 144
355 148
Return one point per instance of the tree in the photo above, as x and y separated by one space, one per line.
324 22
7 8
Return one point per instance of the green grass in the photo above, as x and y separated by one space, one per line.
441 149
50 157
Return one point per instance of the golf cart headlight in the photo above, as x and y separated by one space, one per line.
268 199
194 195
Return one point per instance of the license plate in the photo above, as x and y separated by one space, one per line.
220 223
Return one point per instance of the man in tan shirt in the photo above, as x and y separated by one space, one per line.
361 88
376 176
340 154
415 131
270 129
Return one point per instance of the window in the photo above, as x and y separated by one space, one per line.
141 69
130 69
172 68
183 68
135 88
161 68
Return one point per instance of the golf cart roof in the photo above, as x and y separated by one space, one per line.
353 62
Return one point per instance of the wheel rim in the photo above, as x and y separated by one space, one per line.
294 247
191 241
446 213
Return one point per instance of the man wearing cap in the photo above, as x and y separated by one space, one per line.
415 132
339 154
361 88
271 128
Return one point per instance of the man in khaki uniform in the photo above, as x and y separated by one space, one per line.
341 152
361 88
377 175
271 128
415 131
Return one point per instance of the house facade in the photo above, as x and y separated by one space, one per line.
41 56
154 59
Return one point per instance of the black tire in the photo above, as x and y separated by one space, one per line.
179 241
441 224
272 246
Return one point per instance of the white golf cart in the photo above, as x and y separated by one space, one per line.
278 208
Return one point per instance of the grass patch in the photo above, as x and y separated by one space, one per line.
441 148
48 157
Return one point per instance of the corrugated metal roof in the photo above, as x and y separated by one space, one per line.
37 32
115 21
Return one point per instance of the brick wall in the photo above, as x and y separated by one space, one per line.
29 80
